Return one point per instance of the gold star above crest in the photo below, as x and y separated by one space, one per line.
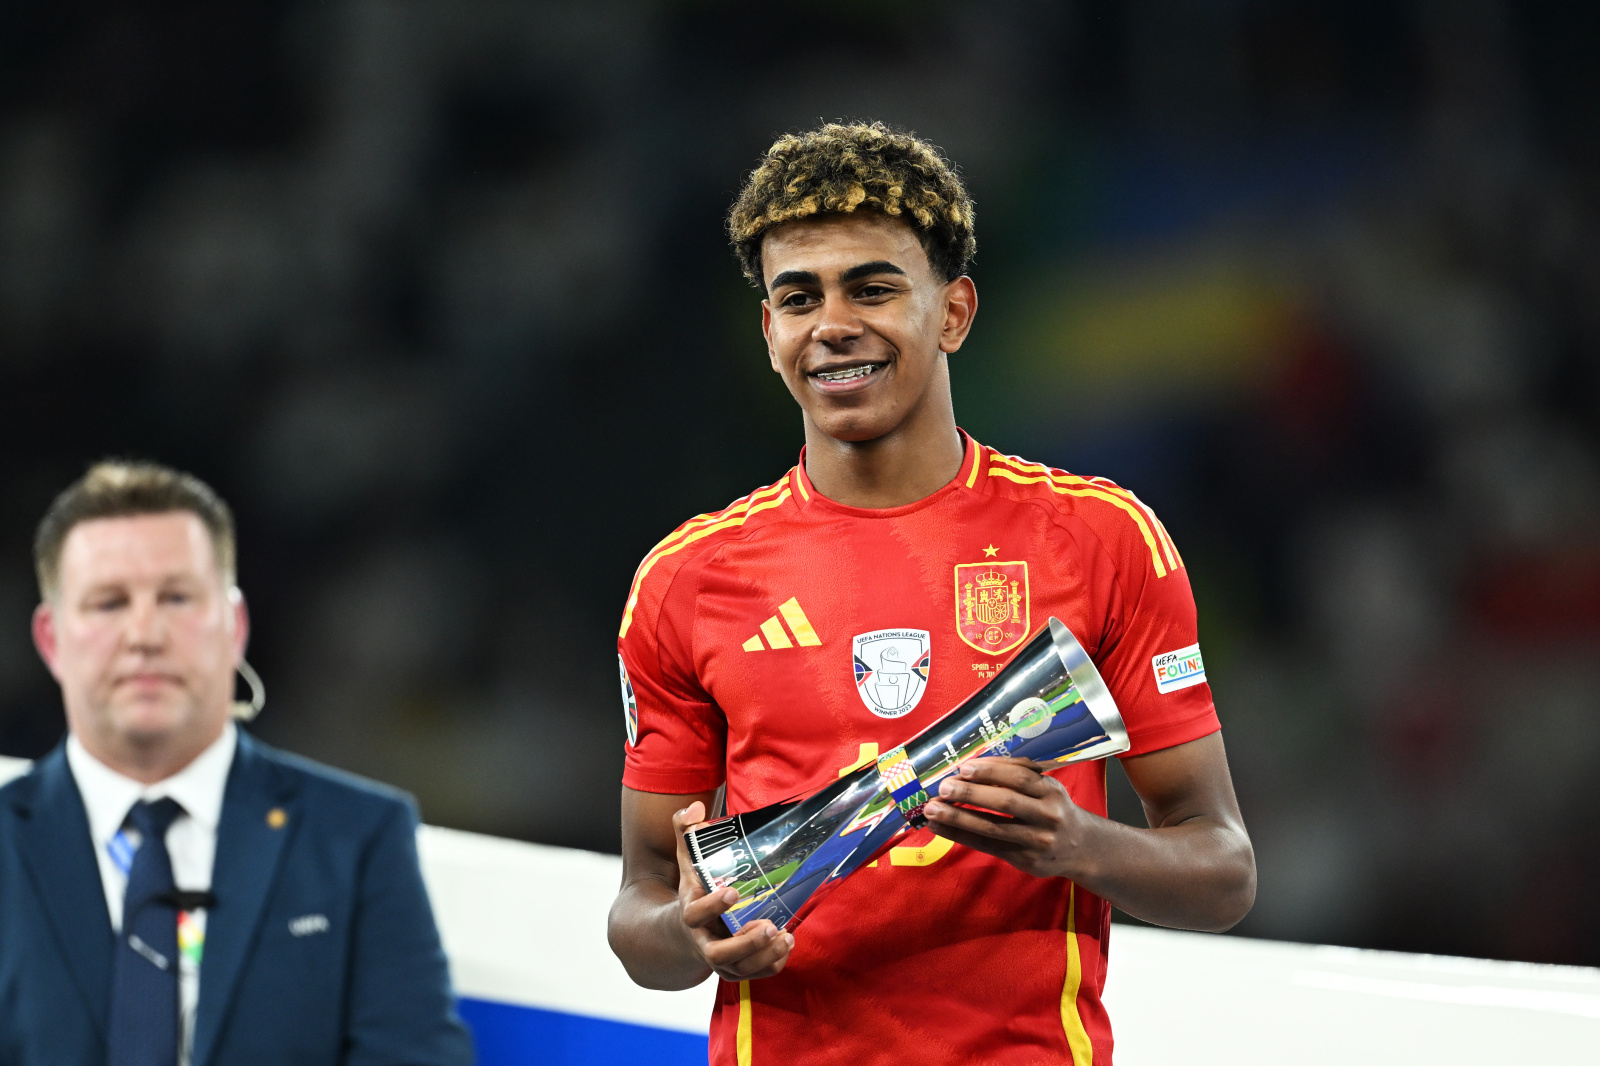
988 553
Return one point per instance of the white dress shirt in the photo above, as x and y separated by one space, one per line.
191 841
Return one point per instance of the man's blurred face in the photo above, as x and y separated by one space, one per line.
143 636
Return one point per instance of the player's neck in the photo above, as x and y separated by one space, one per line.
918 458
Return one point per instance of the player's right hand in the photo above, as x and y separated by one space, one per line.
760 949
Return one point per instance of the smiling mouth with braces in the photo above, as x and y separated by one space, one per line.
849 374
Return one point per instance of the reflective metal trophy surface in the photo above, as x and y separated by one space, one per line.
1048 704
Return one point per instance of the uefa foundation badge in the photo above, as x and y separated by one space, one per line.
992 605
1178 669
891 668
630 705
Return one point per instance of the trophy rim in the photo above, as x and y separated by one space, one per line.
1092 687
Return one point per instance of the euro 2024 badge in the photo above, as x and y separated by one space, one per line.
992 605
630 704
891 668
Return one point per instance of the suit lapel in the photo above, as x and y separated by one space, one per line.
59 855
258 817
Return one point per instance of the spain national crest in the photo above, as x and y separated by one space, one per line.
891 669
992 605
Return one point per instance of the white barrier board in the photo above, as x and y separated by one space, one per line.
1193 998
524 926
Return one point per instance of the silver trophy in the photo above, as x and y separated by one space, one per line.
1048 705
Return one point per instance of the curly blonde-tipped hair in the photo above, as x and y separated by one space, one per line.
838 169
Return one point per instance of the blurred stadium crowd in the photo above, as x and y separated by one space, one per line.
435 293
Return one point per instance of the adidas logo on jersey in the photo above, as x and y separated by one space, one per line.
777 637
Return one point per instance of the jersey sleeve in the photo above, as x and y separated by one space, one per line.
1150 653
677 736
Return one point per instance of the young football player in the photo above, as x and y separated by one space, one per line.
790 638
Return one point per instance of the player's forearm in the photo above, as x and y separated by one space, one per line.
1198 874
646 933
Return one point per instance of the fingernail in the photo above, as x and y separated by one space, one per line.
681 812
772 932
967 770
730 895
789 938
947 787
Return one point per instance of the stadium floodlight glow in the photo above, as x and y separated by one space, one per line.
1048 704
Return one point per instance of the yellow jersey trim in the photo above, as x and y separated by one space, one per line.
1098 494
711 516
1174 560
741 1037
1071 1021
750 508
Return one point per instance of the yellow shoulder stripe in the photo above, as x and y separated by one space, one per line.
1166 539
1174 560
712 516
1098 494
738 519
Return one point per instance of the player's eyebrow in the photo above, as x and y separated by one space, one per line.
877 266
860 270
794 277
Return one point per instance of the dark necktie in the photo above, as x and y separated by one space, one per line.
144 990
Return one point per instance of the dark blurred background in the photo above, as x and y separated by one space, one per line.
436 293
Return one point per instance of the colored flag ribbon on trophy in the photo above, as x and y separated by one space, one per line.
900 778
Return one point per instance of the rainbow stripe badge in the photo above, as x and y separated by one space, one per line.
191 939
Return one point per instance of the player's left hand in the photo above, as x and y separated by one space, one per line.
1036 828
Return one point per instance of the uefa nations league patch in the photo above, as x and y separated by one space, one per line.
891 669
630 705
1179 669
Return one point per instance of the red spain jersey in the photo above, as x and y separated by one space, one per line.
788 639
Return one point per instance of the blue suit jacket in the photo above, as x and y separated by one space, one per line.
367 986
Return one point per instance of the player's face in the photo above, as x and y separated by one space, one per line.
858 323
142 634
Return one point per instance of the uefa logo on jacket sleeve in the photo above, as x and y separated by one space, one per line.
891 669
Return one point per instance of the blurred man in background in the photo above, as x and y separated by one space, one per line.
741 630
172 891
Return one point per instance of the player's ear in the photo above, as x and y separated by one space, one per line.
960 308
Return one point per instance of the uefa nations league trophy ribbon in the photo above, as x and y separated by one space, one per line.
1048 704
